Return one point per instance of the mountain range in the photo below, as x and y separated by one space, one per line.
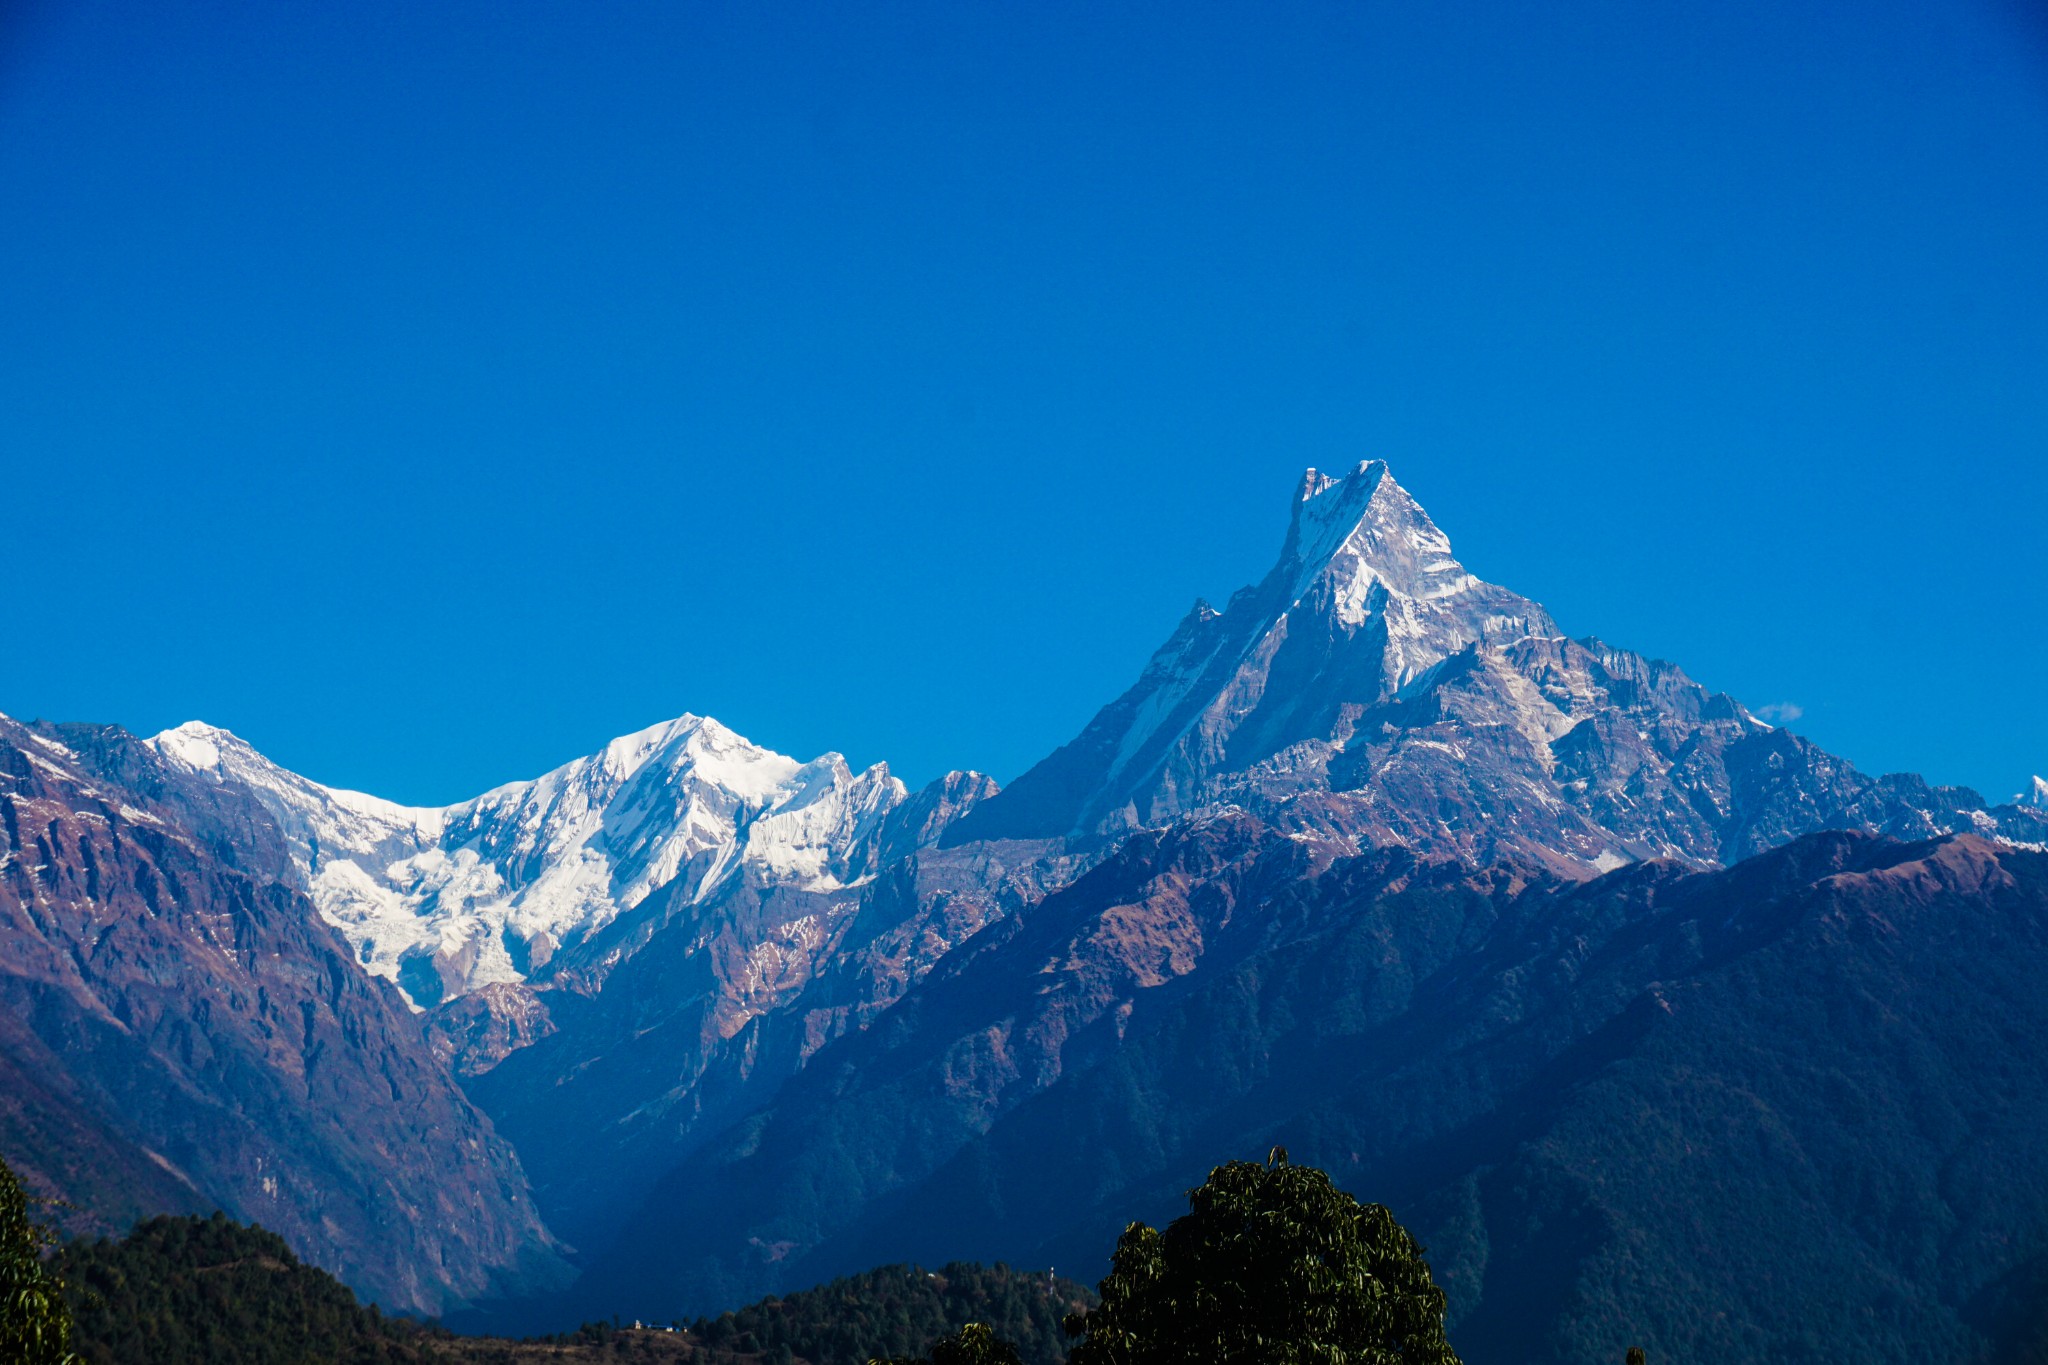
1652 1015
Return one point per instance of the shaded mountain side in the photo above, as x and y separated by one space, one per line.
1790 1110
183 1037
1049 991
706 1012
53 1133
236 830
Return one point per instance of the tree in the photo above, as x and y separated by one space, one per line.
974 1344
35 1320
1271 1265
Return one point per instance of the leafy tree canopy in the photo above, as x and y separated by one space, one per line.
35 1320
1271 1265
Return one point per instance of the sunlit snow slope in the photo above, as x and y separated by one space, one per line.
444 901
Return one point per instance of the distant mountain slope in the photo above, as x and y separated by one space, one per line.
1368 687
178 1035
1786 1111
706 1010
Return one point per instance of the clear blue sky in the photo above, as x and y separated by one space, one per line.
429 392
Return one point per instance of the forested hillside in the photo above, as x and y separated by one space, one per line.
211 1291
898 1310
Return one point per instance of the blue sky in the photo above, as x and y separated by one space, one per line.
430 392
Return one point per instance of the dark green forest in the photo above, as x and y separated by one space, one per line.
184 1289
899 1310
211 1291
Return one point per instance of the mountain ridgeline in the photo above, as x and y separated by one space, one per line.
1654 1020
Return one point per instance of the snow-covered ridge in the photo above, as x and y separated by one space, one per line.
1361 554
1362 549
442 901
318 822
1363 532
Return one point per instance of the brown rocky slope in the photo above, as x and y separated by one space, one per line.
180 1036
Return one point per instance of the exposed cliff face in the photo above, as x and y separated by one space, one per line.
182 1036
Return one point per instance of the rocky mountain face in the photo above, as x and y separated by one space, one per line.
181 1035
811 1016
1371 688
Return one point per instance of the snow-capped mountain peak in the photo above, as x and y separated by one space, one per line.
445 900
1371 687
1361 531
1365 598
1362 553
2035 796
317 821
196 744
